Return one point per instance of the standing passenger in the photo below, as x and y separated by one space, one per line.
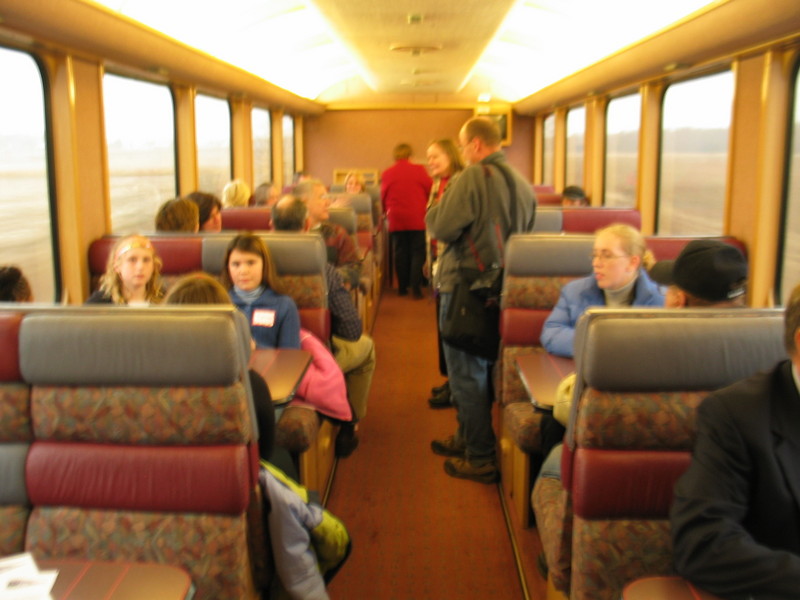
252 283
462 220
405 188
133 274
444 164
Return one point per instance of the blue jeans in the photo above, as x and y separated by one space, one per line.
469 385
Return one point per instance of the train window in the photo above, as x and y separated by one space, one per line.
288 149
622 150
694 155
262 145
576 127
548 147
26 239
141 152
790 262
213 129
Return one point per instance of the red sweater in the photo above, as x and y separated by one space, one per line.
405 188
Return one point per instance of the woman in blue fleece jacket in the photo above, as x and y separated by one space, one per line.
619 263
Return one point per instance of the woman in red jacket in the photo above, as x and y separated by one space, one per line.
405 187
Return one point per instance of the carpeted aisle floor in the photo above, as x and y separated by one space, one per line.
417 533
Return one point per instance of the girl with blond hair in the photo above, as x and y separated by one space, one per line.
132 276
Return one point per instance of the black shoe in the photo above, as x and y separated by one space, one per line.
402 292
417 294
440 388
441 400
346 441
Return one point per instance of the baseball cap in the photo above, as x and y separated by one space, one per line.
708 269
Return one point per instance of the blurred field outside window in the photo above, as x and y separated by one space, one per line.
790 267
694 155
288 150
262 146
141 151
26 237
622 151
549 150
213 130
576 128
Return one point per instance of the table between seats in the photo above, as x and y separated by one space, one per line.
541 373
95 580
282 369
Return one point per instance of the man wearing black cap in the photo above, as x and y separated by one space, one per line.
706 273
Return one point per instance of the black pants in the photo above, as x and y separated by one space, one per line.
409 256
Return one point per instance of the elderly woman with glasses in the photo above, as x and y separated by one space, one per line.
619 278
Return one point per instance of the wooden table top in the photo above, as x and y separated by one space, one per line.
282 369
99 580
664 588
541 373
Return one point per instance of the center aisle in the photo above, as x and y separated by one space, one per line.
417 533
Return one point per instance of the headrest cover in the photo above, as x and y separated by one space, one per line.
127 346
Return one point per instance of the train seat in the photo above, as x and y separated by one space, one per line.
548 220
537 267
588 219
641 373
542 188
16 435
246 218
669 247
548 199
144 443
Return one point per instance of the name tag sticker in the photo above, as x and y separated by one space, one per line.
263 317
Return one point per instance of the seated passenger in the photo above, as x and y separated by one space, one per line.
619 262
574 196
706 273
266 194
342 251
735 516
133 274
353 350
178 214
252 283
354 183
209 206
13 285
236 193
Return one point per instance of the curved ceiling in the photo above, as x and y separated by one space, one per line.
341 52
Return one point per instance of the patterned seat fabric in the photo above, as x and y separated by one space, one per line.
15 438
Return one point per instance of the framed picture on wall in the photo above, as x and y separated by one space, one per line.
503 118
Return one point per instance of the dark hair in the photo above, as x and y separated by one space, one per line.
261 194
792 320
485 129
205 204
574 192
247 242
289 214
179 214
197 288
13 285
402 151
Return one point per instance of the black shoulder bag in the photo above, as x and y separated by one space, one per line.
472 322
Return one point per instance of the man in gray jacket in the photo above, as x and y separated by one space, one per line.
474 220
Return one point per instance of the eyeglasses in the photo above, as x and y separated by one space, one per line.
605 255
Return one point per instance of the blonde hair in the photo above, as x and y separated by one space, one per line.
111 282
632 242
358 178
236 193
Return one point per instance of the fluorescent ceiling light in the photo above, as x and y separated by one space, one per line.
543 41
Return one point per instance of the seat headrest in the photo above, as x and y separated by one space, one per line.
546 254
675 349
344 216
292 253
548 219
134 346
